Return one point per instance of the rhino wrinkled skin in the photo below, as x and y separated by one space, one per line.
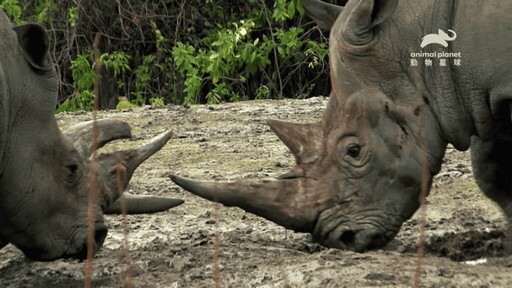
44 174
360 170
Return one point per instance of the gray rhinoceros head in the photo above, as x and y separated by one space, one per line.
45 176
360 170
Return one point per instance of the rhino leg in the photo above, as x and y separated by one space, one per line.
492 163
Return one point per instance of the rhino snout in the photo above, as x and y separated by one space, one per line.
355 230
363 240
357 240
78 248
100 233
58 248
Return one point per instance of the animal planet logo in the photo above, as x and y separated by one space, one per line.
442 39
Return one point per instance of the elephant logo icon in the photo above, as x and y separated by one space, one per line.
440 38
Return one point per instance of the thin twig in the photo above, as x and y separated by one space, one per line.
276 60
93 189
127 275
216 248
423 221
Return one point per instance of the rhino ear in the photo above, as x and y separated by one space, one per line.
34 44
4 20
364 17
324 14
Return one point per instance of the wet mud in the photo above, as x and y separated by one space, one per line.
464 232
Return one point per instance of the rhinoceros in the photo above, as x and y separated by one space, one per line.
44 173
361 169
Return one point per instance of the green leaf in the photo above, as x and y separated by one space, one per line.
291 9
299 7
253 56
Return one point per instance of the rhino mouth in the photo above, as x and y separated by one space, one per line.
77 248
80 247
358 239
357 231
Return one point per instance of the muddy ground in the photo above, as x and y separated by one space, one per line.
464 231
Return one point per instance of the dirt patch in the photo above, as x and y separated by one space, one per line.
232 141
470 245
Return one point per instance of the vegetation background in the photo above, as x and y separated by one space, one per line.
179 51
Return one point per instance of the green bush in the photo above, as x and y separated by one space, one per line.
163 52
84 76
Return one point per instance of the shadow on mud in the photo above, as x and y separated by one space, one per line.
469 245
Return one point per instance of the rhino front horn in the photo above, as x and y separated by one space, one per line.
283 201
142 204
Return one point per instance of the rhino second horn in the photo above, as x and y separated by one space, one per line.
303 140
82 134
281 201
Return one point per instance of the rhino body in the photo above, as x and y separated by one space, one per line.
361 169
44 174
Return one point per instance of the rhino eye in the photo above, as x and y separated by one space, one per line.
354 150
72 168
73 173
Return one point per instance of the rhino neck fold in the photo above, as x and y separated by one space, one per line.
437 84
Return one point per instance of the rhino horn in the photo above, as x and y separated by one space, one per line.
303 140
117 168
324 14
283 201
82 134
141 204
358 28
